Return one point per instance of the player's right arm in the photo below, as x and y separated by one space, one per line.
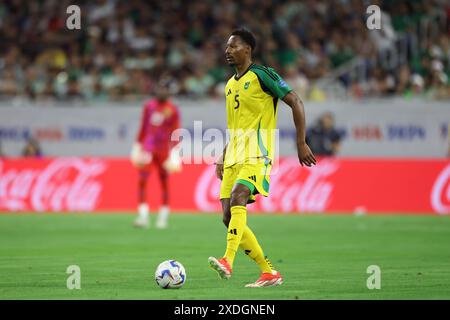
138 156
142 126
219 164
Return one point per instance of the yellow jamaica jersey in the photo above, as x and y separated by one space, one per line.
251 102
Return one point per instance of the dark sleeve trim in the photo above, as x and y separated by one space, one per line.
266 71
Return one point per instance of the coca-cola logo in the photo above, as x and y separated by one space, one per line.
66 184
292 188
440 193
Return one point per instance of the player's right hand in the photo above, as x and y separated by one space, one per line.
219 170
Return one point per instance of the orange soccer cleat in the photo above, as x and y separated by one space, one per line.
221 266
267 280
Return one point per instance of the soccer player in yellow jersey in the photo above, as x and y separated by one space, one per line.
252 96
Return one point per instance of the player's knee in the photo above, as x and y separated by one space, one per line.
239 196
142 182
163 175
143 177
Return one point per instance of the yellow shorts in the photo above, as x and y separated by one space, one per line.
254 175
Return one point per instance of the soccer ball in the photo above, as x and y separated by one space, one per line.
170 274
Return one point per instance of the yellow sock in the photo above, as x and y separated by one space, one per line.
236 229
252 248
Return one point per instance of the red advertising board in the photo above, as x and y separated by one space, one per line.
333 186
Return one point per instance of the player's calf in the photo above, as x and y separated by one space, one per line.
143 219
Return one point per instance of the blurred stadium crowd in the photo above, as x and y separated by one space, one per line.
123 47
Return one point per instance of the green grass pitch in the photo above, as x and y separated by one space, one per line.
320 256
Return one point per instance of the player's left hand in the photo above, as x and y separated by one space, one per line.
305 155
173 162
140 158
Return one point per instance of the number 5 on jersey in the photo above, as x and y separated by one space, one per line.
236 98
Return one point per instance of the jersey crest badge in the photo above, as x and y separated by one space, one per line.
246 85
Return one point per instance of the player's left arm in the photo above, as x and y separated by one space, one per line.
138 156
305 155
273 83
175 125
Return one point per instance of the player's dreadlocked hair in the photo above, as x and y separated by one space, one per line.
246 36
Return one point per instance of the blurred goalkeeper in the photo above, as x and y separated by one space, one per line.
155 149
